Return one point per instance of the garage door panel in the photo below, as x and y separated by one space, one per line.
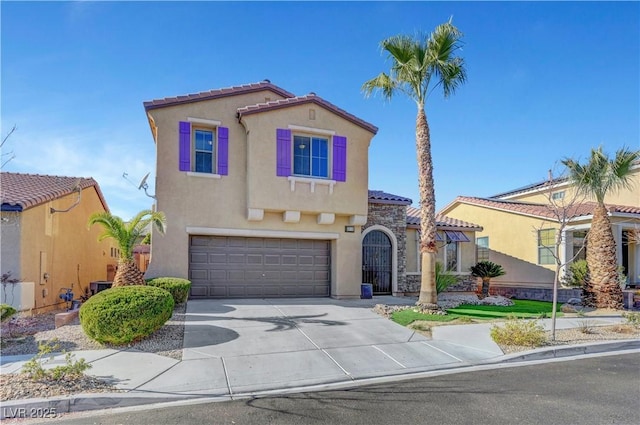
222 267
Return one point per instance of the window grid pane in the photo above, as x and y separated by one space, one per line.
204 151
310 156
546 246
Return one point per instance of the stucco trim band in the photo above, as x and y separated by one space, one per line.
291 216
285 234
326 218
312 183
357 220
203 121
255 214
311 130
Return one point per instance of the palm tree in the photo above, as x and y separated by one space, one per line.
486 270
596 179
127 235
418 66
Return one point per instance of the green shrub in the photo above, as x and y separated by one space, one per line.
6 311
632 318
124 314
34 368
527 333
576 274
177 287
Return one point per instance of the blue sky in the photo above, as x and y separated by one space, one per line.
546 80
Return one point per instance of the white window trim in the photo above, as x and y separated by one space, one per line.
205 122
312 182
311 130
204 175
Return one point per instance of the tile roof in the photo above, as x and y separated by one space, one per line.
442 221
542 210
299 100
217 93
380 197
19 192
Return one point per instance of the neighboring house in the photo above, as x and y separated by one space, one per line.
45 239
391 246
520 228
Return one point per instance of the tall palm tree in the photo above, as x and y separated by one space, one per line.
599 177
418 66
127 235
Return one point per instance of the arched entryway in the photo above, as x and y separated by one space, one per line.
378 261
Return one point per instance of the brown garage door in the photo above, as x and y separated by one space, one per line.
235 267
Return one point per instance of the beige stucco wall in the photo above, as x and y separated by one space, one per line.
508 233
70 252
220 205
629 197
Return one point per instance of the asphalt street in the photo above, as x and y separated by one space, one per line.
597 390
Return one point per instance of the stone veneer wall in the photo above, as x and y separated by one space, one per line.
466 284
394 218
536 294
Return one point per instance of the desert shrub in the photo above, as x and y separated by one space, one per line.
126 313
177 287
34 368
528 333
632 319
576 274
444 278
6 311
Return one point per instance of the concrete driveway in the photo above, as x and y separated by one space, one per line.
240 346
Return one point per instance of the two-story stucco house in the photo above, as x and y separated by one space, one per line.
265 192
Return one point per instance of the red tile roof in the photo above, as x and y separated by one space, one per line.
442 221
380 197
299 100
215 94
542 210
19 192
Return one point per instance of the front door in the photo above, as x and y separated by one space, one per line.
377 262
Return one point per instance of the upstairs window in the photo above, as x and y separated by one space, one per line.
310 156
203 149
204 152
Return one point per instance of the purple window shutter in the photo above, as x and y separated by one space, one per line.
339 158
223 151
185 146
283 137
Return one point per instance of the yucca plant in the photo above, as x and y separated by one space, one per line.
486 270
444 278
127 235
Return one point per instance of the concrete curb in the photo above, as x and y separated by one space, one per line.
40 407
571 350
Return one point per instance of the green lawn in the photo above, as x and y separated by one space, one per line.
521 309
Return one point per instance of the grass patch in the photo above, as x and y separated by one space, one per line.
405 317
466 312
520 309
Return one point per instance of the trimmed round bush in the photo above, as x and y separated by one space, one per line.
178 287
126 313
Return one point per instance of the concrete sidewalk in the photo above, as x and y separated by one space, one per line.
243 347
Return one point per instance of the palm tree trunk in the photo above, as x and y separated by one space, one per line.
128 273
486 282
428 248
602 289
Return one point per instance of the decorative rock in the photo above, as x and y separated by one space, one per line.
62 319
574 301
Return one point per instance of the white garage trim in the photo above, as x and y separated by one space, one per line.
258 233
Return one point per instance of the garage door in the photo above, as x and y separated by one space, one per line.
236 267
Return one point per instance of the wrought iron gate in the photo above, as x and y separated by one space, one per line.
377 262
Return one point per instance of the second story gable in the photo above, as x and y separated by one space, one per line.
260 148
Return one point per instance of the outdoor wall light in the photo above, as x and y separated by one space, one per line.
349 229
